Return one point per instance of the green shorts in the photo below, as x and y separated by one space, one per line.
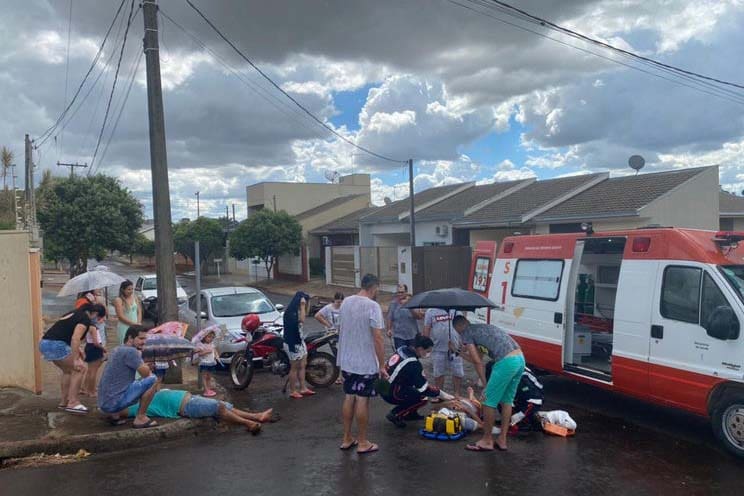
504 380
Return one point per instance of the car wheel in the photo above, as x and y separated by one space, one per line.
728 422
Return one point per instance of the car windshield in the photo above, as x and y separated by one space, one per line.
735 276
150 284
235 305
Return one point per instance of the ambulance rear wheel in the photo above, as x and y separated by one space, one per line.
728 422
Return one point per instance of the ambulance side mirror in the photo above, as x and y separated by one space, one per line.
723 324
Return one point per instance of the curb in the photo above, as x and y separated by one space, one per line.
106 441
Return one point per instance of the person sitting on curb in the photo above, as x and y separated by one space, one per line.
118 389
174 403
407 385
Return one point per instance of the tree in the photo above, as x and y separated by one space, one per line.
85 217
142 246
208 231
6 159
266 235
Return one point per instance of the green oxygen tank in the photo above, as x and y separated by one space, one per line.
581 289
589 297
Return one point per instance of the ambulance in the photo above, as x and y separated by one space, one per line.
651 313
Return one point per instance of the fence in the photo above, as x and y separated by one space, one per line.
437 267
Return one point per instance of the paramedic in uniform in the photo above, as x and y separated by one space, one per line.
501 386
408 386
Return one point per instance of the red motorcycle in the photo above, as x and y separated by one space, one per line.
265 350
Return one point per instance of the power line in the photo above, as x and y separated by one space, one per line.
730 98
612 47
46 134
113 86
278 87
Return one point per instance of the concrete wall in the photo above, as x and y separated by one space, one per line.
20 292
326 216
494 234
398 234
295 198
426 233
693 205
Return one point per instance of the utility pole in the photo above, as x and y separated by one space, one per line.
30 196
227 216
233 206
412 214
274 203
165 263
197 205
72 167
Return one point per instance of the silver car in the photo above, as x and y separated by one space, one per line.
227 307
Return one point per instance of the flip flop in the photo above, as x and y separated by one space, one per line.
348 446
255 430
308 392
500 448
78 409
296 396
209 394
477 447
373 447
149 423
116 422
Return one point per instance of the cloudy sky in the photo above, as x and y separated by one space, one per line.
468 96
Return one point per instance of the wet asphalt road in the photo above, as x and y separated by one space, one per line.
622 446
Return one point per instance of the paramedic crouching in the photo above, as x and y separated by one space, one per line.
501 387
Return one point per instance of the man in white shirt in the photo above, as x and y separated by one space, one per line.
361 358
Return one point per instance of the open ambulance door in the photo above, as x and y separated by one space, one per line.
481 270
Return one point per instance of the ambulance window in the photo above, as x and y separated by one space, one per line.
712 299
680 294
480 275
538 279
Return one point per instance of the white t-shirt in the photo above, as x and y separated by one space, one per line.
330 314
356 345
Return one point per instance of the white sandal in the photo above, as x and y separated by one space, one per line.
78 409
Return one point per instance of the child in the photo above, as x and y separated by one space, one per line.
207 362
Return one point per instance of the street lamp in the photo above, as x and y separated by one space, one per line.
197 205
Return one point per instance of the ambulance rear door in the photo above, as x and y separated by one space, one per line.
481 271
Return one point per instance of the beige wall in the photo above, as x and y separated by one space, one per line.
494 234
295 198
20 292
693 205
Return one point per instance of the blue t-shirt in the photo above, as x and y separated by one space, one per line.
405 325
165 404
118 375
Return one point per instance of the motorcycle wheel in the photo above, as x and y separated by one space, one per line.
241 370
321 369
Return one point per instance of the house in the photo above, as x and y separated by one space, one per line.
325 213
295 198
731 211
148 229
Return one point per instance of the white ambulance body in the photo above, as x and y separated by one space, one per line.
651 313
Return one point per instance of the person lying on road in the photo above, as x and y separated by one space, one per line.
174 403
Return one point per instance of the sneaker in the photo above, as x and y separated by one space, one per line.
396 421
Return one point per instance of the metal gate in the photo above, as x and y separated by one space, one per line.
342 266
437 267
381 261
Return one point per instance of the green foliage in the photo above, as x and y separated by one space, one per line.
266 235
84 217
143 246
6 160
208 231
7 213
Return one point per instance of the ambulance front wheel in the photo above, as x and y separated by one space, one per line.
728 422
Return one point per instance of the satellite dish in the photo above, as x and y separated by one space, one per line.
387 200
331 175
636 162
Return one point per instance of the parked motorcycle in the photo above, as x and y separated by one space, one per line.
265 350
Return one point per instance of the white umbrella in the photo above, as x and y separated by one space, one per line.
97 278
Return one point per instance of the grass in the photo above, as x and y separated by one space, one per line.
7 215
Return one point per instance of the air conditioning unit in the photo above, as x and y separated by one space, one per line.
442 230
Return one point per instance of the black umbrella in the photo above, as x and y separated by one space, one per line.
450 299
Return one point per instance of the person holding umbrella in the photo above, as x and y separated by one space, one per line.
501 386
119 390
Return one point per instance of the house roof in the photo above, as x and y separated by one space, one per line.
619 196
512 208
347 224
392 211
456 205
730 204
325 206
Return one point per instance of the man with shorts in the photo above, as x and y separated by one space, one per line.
118 390
446 342
361 359
501 386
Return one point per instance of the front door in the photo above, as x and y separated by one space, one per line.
685 362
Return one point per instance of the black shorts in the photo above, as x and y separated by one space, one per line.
92 353
360 385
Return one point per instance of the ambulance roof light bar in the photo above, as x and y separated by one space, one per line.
728 239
